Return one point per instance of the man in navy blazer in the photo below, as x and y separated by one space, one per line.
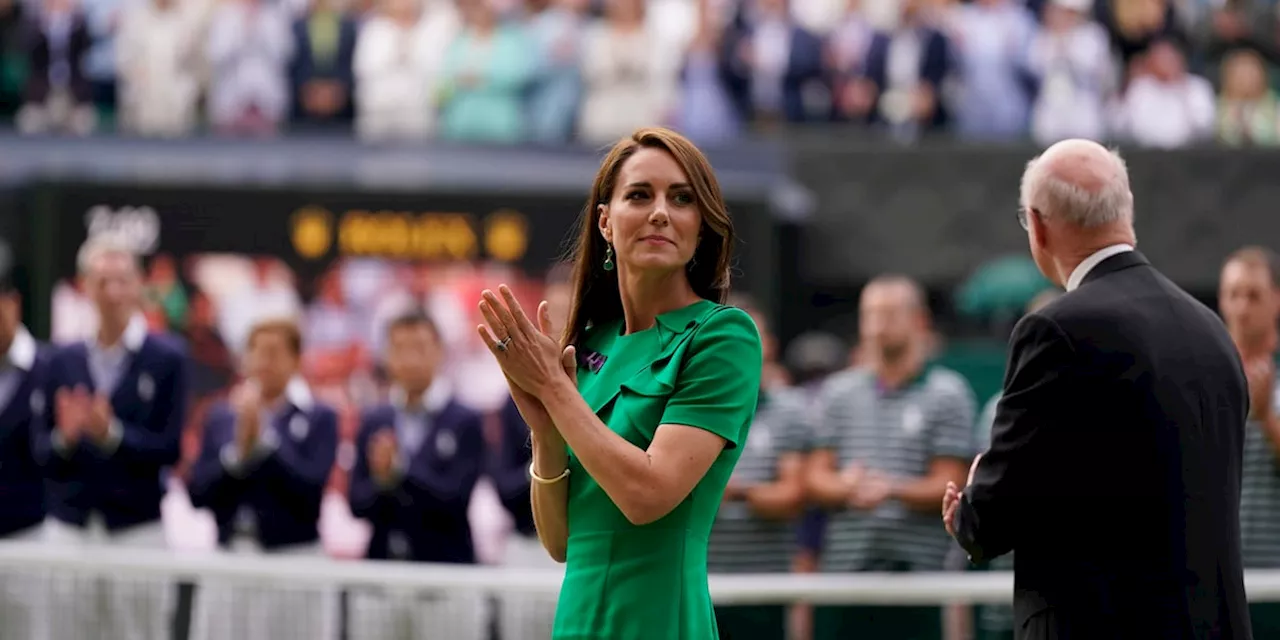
265 459
22 374
417 461
115 406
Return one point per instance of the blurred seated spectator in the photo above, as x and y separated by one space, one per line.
1164 105
104 18
1135 24
556 26
707 114
774 66
399 55
321 76
1247 105
847 44
58 98
249 48
13 58
1070 59
900 85
159 62
627 86
994 96
487 70
1225 25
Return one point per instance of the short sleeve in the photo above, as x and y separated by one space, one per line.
952 417
795 427
719 384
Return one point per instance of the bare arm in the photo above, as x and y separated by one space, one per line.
782 499
824 482
551 501
925 493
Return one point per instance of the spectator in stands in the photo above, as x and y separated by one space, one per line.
321 72
116 403
707 114
1249 300
556 26
417 462
992 39
627 84
1135 25
58 98
167 293
847 45
265 456
1221 27
159 61
899 90
773 65
1164 105
1248 109
891 434
23 607
398 65
487 70
12 55
754 530
270 294
249 48
104 19
1070 59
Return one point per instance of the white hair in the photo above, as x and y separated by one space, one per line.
105 244
1108 201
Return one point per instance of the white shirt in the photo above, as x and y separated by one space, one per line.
1083 269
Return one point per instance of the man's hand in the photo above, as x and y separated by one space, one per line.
100 417
72 414
1261 374
973 469
950 502
246 401
871 490
382 455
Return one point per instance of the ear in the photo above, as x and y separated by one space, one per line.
603 222
1039 229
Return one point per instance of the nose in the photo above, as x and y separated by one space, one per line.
659 214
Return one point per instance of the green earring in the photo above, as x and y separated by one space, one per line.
608 257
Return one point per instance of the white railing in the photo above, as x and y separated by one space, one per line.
285 572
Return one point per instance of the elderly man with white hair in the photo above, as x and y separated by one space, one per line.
1115 454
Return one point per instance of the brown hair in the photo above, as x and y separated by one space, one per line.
284 327
596 299
1258 257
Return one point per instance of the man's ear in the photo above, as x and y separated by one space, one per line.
603 222
1039 229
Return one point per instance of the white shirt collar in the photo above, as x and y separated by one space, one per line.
433 399
135 333
1092 261
22 351
299 394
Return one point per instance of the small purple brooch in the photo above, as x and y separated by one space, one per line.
591 360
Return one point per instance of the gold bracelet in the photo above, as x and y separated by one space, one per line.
541 480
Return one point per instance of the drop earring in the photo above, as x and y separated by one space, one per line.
608 257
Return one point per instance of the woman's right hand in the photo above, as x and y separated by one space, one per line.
531 409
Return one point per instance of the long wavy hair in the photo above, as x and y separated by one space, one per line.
596 299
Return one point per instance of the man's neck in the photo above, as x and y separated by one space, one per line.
1251 347
110 334
896 373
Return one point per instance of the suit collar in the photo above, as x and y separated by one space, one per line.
1089 264
135 333
298 394
434 399
1117 262
22 351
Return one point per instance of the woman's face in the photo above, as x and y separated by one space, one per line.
653 220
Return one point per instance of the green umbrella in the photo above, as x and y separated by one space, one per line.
1001 288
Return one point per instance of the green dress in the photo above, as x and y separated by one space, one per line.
698 366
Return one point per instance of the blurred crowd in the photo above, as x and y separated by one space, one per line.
1164 73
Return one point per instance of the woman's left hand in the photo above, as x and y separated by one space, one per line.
528 355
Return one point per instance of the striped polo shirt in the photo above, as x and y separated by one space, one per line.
1260 498
898 432
742 542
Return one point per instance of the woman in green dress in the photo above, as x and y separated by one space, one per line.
638 410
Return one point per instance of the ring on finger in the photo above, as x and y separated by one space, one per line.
502 344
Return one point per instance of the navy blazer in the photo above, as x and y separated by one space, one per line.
804 68
21 481
935 65
305 67
429 504
283 484
124 485
508 466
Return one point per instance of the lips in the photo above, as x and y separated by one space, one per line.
663 239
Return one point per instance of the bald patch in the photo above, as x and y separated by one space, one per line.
1082 163
1079 182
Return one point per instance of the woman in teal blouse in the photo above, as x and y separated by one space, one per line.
637 413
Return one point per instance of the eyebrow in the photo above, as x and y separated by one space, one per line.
647 185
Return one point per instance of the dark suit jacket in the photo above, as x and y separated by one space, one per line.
150 401
41 58
284 488
804 67
429 504
935 66
21 482
305 66
1114 467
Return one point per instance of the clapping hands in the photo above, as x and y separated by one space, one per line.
951 499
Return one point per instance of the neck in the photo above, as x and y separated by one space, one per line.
1253 346
273 395
110 331
895 373
413 393
1074 256
647 296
